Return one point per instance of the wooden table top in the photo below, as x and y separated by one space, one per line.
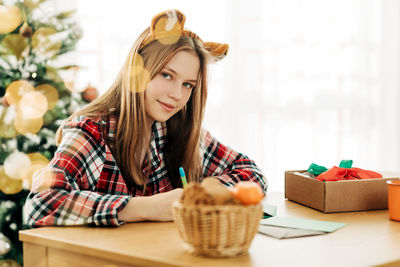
368 239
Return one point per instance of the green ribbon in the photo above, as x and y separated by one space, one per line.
317 169
346 163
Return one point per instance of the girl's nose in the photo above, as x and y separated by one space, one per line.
175 91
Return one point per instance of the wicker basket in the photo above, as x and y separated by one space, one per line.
217 231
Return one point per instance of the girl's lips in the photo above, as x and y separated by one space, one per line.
166 106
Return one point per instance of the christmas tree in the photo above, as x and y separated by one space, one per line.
34 100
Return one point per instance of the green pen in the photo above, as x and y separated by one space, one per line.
183 177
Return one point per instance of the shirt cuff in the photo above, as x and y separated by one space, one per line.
107 210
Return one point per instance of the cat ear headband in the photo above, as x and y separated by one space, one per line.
168 26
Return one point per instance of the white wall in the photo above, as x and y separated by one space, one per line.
304 81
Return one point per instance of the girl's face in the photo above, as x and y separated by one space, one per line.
171 88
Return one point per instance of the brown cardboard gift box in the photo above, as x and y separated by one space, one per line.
337 196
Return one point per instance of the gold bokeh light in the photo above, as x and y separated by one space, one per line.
16 90
50 93
167 30
38 162
137 76
44 179
26 125
33 105
7 185
10 18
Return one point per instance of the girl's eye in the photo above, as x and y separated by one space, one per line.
166 76
188 85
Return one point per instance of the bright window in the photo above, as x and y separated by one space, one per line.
304 81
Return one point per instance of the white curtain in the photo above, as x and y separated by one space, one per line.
312 81
304 81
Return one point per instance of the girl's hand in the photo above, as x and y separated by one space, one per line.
152 208
160 208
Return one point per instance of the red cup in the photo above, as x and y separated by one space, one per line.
394 199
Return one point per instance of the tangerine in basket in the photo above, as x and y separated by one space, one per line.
247 192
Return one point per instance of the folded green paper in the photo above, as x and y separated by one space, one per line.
306 224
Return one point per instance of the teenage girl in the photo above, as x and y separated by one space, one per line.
118 158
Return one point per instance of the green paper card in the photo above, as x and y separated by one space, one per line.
307 224
269 210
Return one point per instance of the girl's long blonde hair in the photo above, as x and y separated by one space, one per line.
125 100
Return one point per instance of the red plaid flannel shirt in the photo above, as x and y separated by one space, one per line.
87 186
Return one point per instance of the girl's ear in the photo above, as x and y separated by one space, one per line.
217 50
167 23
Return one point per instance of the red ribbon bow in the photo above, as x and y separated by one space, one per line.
336 174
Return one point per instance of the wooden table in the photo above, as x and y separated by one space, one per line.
369 239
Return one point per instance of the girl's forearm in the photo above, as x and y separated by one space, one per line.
157 207
136 210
